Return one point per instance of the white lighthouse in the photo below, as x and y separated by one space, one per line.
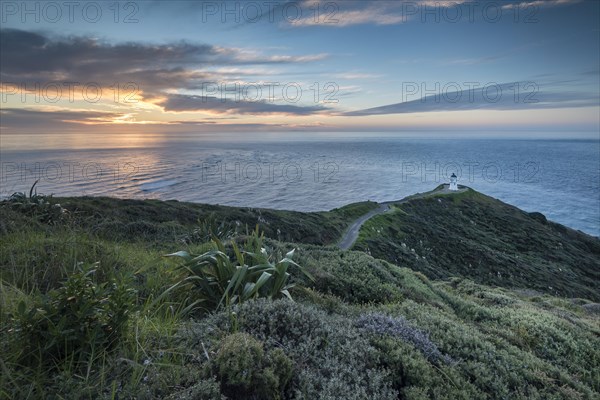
453 184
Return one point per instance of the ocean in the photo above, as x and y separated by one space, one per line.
308 171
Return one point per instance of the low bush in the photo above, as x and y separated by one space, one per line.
354 277
247 371
331 358
80 319
210 227
41 207
416 378
399 327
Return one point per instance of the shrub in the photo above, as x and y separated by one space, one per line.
496 363
169 382
416 378
354 277
206 389
209 227
247 371
332 359
399 327
38 206
79 319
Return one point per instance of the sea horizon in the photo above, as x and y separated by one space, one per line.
310 172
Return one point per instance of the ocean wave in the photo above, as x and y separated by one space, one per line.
157 185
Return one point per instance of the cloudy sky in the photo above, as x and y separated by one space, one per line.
309 65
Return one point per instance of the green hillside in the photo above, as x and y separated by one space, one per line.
91 308
475 236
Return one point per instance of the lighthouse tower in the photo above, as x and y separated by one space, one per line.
453 184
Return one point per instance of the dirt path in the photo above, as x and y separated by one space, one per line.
351 233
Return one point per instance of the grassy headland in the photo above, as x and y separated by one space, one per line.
91 308
478 237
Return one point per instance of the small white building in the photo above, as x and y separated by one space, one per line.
453 180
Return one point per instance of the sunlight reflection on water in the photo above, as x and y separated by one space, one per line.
556 177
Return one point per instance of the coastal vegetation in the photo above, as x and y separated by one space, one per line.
474 236
445 297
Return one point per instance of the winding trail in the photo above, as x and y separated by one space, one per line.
351 234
